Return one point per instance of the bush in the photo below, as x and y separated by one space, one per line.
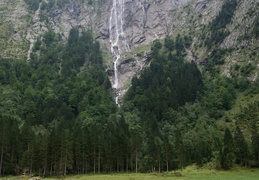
33 4
246 70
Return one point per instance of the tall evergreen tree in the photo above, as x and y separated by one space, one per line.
227 156
241 148
255 140
179 148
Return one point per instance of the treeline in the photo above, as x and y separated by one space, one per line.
168 83
33 5
180 113
217 27
46 106
58 115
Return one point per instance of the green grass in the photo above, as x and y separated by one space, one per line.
141 49
189 173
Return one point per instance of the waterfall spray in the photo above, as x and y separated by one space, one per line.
117 40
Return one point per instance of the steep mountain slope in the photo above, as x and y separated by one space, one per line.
23 21
193 98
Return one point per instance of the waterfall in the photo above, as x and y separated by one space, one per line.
117 40
36 19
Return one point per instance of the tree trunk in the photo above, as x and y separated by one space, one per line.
127 165
86 166
94 159
110 165
136 161
2 151
110 152
99 161
65 169
122 165
167 167
117 165
44 169
12 156
60 165
159 166
45 164
31 165
50 169
2 157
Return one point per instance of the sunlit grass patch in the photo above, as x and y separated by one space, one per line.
189 173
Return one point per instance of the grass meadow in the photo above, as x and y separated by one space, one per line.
189 173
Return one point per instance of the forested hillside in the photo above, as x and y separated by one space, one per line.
58 114
193 98
50 110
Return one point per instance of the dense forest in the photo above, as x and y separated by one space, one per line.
58 115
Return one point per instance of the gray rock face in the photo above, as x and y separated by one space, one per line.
74 9
55 12
148 20
201 5
144 21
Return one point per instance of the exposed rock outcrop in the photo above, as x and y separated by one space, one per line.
144 21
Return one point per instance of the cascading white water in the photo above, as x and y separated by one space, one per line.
117 39
35 19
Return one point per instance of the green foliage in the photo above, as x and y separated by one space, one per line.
33 4
187 41
9 145
246 69
255 140
90 2
169 43
48 6
216 37
225 15
219 96
242 84
58 116
162 88
249 117
45 104
227 153
218 25
179 149
61 3
157 84
179 45
241 148
255 30
217 55
80 50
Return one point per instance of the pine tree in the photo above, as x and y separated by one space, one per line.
167 146
135 137
255 141
179 148
169 43
3 142
66 152
241 149
227 156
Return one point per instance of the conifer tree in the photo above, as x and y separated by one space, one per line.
227 156
179 148
241 149
255 140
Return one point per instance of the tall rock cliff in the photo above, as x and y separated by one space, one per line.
22 22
